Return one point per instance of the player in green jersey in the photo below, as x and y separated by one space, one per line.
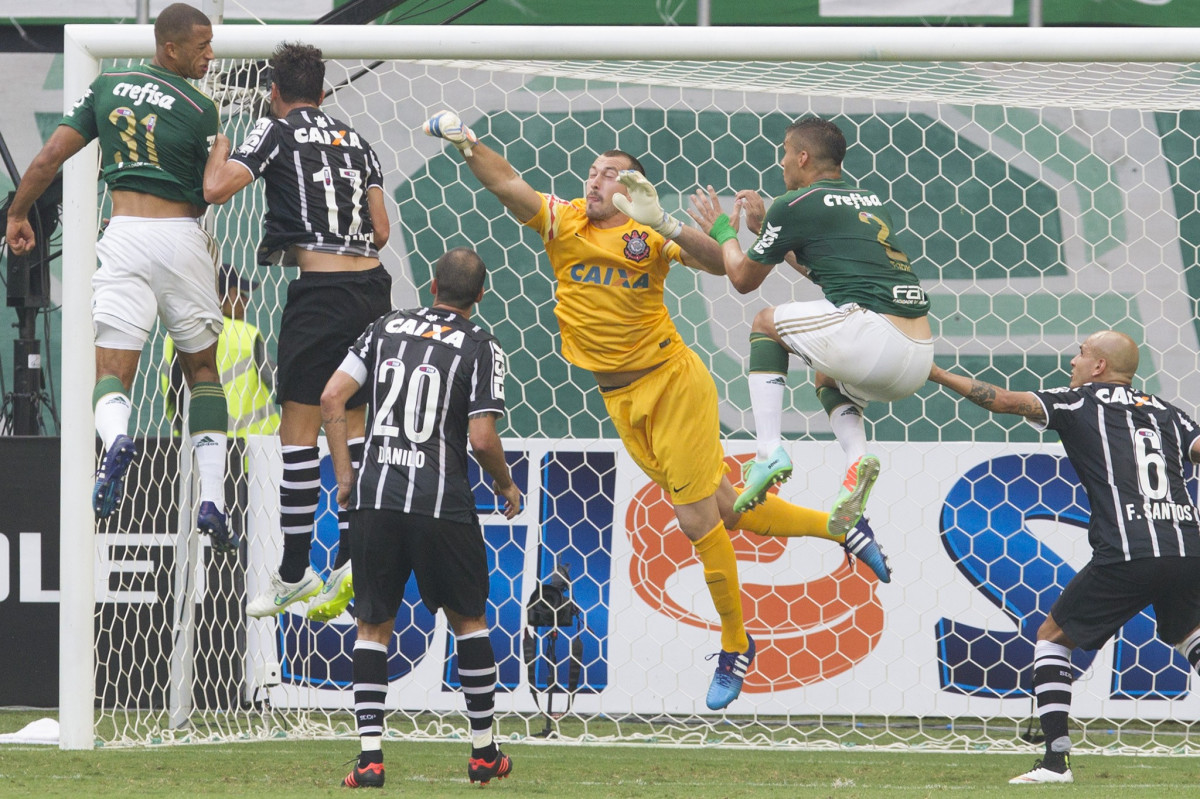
154 129
869 339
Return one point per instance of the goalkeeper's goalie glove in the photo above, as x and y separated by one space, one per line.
446 125
642 205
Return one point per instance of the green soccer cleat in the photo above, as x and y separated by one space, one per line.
759 476
335 597
852 498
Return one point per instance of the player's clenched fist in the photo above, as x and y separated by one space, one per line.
446 125
642 205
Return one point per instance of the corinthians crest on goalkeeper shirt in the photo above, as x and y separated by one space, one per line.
427 372
318 170
1129 449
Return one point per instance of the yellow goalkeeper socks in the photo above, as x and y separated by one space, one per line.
781 519
715 551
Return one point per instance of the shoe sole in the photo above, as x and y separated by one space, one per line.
1023 781
330 609
222 543
749 499
107 493
849 508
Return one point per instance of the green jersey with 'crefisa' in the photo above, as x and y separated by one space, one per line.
845 236
154 127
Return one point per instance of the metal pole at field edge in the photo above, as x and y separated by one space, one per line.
703 13
77 523
143 11
1035 13
214 10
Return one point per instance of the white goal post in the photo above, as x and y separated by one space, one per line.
1047 179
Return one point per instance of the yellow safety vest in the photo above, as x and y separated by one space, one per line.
252 409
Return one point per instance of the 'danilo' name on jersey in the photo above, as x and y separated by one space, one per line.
845 237
1129 449
429 370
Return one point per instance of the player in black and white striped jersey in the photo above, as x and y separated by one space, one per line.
325 214
435 382
1129 449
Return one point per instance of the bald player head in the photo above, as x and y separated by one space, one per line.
1105 357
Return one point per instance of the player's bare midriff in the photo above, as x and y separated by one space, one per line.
915 327
148 206
613 380
310 261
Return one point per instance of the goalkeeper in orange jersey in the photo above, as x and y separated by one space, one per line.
658 393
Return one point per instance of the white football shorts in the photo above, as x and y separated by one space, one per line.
155 267
866 355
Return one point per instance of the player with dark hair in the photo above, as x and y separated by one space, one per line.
1128 448
326 215
435 381
660 397
156 261
868 340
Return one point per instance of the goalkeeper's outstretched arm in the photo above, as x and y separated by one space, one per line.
487 165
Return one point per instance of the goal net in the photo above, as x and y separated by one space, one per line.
1039 200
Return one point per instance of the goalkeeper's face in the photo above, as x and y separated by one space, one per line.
601 185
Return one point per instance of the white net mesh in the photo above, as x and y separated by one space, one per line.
1038 202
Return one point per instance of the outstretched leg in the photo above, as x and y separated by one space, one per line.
208 423
115 369
768 381
1052 676
701 523
862 469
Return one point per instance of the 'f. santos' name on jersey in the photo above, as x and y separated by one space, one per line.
424 329
609 276
149 93
1156 510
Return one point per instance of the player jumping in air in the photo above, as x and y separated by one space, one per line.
658 393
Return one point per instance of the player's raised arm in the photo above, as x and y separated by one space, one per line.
744 273
223 178
642 206
491 169
992 398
